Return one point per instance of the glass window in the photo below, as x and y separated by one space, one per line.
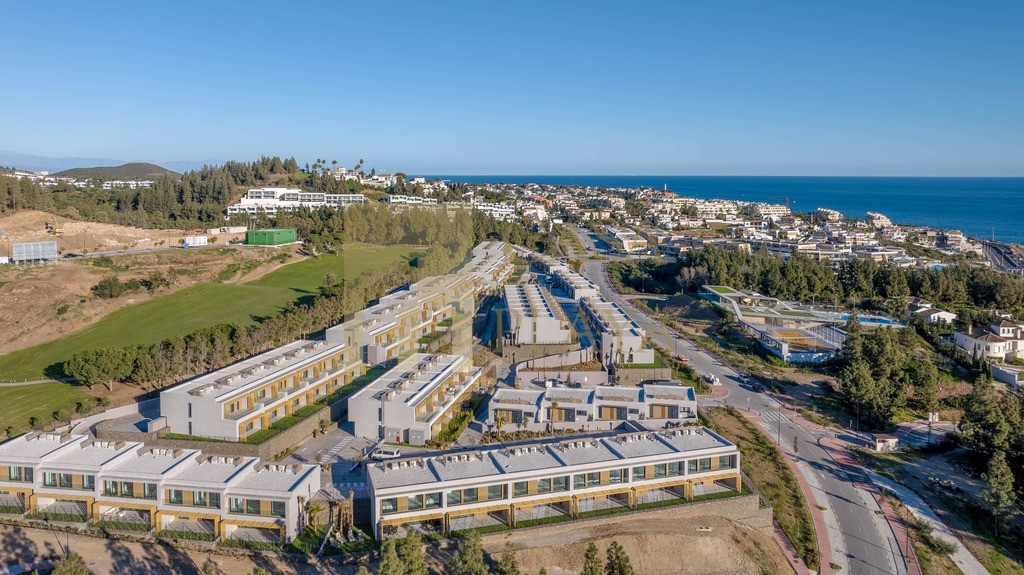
705 464
470 495
214 499
389 505
561 483
252 506
174 497
579 481
639 473
455 497
88 482
544 485
127 489
110 488
49 479
726 461
520 488
593 479
432 500
28 474
615 476
277 508
415 502
149 490
199 498
691 466
660 470
65 480
14 473
675 468
495 492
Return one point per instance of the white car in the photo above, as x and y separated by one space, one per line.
386 452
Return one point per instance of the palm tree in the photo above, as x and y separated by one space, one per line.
315 508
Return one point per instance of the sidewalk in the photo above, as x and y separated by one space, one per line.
817 518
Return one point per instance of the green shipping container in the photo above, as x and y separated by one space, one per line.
271 237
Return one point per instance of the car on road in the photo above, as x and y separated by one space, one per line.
682 359
386 452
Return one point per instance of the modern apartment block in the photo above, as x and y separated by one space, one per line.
536 406
415 400
76 478
627 240
490 267
273 200
620 339
392 327
510 484
238 400
534 316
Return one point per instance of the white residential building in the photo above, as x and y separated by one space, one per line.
534 316
573 407
415 400
272 200
1001 341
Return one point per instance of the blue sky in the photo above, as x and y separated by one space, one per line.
674 87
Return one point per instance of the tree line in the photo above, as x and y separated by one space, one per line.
857 281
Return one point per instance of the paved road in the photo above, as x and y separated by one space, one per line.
862 542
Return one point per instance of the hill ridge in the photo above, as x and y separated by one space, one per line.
129 171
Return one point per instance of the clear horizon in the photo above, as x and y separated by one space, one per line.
916 89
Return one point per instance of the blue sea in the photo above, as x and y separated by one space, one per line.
976 206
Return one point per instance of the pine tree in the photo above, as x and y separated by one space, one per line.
999 493
926 386
390 564
983 426
591 560
468 559
363 571
71 564
410 551
617 561
509 565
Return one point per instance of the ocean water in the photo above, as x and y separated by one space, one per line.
975 206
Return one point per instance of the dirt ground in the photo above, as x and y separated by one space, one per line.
655 547
42 303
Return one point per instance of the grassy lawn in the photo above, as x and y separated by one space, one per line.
765 467
41 401
199 306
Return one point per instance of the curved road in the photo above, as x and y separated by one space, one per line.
862 542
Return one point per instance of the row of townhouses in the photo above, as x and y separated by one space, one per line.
541 405
517 483
75 478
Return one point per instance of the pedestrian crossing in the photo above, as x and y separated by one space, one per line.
338 448
772 417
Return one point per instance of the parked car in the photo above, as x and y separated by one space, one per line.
386 452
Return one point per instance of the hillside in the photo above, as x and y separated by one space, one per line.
129 171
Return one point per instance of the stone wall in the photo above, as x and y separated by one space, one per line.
534 351
629 376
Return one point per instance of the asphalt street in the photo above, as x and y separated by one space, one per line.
862 542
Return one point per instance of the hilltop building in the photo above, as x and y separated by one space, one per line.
1002 341
270 201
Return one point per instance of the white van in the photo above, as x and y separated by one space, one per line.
386 452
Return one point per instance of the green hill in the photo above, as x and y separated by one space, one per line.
130 171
